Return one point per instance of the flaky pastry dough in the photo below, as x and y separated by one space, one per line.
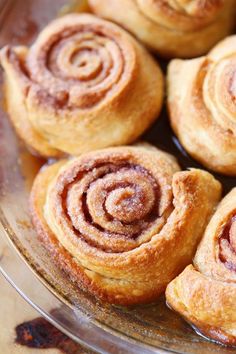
205 292
122 222
202 106
179 28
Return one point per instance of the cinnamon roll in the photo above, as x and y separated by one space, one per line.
205 292
84 84
180 28
122 222
202 106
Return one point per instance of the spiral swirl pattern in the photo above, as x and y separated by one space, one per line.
76 87
111 219
191 14
208 91
115 204
219 87
217 254
80 60
205 293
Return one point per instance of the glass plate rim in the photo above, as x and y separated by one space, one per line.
107 334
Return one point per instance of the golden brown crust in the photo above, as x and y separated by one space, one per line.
201 101
205 294
112 219
84 84
172 28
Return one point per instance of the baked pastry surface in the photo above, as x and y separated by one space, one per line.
202 106
179 28
84 84
122 222
205 292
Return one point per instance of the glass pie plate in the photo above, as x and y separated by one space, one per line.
27 266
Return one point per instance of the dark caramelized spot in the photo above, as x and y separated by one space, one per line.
39 333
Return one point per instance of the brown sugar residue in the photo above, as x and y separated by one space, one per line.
40 334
